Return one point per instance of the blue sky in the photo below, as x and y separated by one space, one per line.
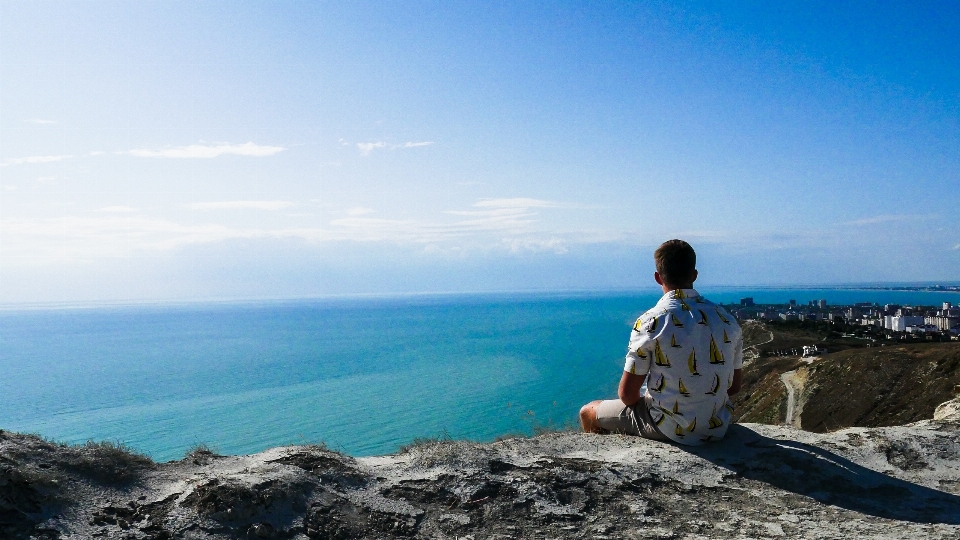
195 150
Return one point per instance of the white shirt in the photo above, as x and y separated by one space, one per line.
688 348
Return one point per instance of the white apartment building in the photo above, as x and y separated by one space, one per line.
899 323
941 322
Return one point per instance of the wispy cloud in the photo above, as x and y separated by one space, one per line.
236 205
888 218
519 245
40 121
33 159
115 231
368 147
195 151
519 202
118 209
510 223
78 238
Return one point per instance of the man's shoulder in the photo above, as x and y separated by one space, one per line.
651 319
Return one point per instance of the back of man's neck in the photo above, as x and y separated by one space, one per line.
668 288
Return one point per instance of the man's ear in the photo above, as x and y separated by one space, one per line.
694 278
657 278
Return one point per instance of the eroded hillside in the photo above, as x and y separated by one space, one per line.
881 386
859 385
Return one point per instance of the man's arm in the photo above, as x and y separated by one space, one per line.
737 380
629 391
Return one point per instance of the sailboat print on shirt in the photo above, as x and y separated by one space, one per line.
716 357
660 358
725 338
683 389
660 385
703 317
716 385
676 322
692 362
722 318
714 421
673 342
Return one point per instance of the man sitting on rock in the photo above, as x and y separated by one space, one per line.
690 353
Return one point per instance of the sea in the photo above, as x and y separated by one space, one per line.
363 375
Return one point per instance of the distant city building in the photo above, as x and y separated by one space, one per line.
822 304
746 301
941 322
899 323
790 316
946 305
921 329
793 302
813 350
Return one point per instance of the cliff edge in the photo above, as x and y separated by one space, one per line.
761 481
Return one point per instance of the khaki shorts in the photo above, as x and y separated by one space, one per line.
615 417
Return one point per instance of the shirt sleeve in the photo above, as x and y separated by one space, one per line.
639 351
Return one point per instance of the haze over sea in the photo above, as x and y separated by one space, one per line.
363 375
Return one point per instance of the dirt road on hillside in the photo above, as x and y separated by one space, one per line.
788 381
752 351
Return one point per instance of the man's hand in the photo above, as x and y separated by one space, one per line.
737 381
629 391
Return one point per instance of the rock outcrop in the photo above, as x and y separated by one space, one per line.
759 482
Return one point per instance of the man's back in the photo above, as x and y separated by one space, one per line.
689 348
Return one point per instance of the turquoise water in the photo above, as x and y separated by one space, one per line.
362 375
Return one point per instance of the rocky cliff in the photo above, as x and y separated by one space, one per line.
759 482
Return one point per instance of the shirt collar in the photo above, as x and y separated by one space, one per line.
679 294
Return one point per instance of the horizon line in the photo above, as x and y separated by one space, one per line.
891 286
